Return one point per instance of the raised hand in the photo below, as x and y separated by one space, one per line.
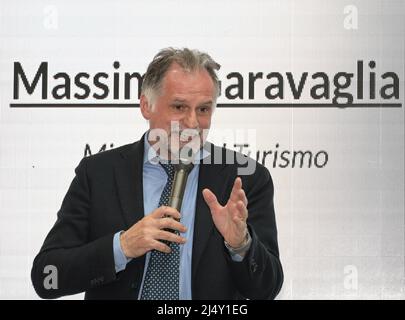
230 220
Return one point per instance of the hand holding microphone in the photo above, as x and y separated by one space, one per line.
147 234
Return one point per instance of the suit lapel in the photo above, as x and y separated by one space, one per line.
210 176
129 180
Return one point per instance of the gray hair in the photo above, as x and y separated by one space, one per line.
189 60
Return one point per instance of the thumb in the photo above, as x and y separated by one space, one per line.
211 200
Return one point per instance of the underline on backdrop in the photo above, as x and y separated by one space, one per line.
219 105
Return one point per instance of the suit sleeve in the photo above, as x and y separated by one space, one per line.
80 264
259 275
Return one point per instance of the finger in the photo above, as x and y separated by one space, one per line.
242 197
240 225
242 210
211 200
170 236
238 210
160 246
237 185
166 211
169 223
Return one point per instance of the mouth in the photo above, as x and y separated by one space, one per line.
187 138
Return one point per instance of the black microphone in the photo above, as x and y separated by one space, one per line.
182 170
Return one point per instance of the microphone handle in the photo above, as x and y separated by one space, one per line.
178 188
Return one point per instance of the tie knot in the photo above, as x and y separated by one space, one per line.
169 168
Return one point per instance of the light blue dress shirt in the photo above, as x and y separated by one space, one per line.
154 181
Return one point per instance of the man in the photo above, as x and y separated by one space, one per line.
116 237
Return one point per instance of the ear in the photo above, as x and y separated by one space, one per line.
145 107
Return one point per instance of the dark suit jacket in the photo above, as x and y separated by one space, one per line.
106 196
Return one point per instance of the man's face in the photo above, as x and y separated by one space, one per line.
186 101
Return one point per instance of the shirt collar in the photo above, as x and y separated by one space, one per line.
154 157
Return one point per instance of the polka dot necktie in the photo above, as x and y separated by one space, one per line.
162 276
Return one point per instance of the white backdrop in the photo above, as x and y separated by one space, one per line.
341 226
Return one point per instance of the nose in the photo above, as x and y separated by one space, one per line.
191 120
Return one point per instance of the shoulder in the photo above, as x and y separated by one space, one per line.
107 159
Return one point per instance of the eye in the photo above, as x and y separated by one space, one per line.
178 107
204 109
